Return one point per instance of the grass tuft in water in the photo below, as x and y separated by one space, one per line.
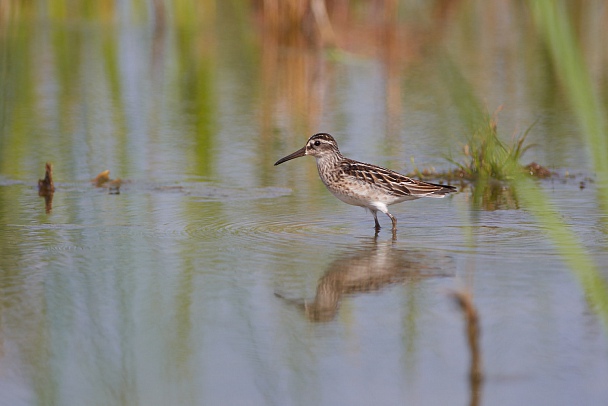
485 156
486 159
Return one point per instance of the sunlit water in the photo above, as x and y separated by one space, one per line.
216 278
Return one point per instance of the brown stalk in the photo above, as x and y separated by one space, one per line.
471 317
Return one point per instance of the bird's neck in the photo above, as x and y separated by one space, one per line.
328 165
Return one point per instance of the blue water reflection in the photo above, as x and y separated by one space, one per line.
216 278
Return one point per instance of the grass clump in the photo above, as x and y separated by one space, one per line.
488 165
487 157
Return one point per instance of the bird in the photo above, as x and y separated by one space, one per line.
362 184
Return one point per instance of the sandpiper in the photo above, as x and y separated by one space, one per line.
361 184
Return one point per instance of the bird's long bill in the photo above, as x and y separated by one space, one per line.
297 154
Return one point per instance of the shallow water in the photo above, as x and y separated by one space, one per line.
216 278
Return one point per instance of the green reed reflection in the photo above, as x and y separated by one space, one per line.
96 89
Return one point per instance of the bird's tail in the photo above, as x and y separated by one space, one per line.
443 191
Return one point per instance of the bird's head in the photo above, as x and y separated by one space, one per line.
319 145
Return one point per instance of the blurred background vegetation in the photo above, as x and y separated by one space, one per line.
289 48
286 50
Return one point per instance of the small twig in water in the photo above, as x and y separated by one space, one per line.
465 304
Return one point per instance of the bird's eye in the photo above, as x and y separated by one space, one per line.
317 143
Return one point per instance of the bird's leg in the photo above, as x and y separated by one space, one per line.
394 220
374 212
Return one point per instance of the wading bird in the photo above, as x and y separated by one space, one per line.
361 184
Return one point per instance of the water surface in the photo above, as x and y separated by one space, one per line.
216 278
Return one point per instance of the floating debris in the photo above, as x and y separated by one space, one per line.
538 170
46 185
114 186
101 179
533 169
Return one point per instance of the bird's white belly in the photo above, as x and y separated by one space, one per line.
364 195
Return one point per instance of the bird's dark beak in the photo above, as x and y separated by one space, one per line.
297 154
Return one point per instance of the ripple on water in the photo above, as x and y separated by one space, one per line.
278 230
208 192
246 226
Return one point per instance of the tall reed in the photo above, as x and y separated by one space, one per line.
553 23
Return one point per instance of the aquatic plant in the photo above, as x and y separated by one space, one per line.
486 156
488 164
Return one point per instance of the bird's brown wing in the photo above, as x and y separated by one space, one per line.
391 181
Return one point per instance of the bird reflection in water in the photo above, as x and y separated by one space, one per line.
370 269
